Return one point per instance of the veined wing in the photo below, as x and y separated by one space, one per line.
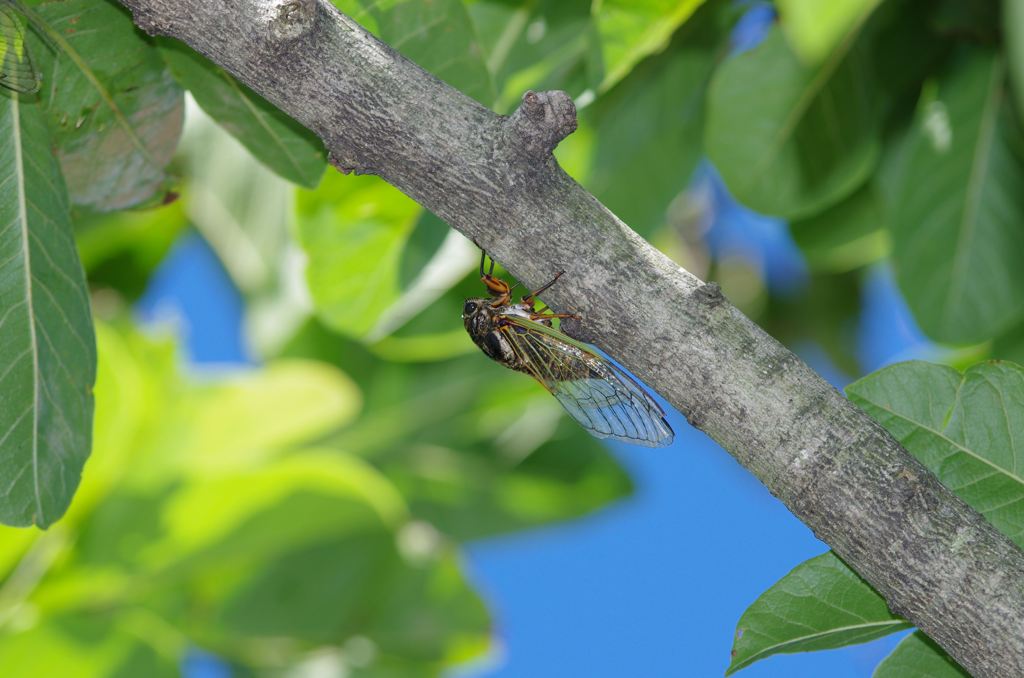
16 69
602 398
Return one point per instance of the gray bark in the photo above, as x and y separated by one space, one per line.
936 561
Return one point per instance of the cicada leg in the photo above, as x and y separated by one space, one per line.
496 286
529 298
548 316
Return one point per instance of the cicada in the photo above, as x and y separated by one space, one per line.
606 401
16 70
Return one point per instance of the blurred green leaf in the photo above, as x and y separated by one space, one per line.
917 656
240 418
977 21
135 382
790 139
630 30
1013 28
438 35
89 646
245 212
815 29
47 348
956 210
121 250
280 143
844 237
353 230
475 449
965 431
264 560
820 605
1010 345
824 313
114 109
548 44
648 129
582 47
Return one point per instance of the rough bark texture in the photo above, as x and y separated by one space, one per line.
936 561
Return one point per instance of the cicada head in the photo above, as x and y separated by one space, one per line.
478 317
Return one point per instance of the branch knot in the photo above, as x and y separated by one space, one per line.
541 121
288 19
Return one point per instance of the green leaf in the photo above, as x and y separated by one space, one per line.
437 35
93 646
551 44
1010 345
47 348
648 129
816 28
820 605
631 30
579 46
965 431
1013 28
243 418
917 656
280 143
844 237
315 548
956 212
791 139
114 109
122 250
354 230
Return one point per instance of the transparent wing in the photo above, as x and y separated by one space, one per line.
602 398
16 69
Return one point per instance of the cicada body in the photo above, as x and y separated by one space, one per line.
601 397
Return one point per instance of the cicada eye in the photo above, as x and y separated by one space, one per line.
469 308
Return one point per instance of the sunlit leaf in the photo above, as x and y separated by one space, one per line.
114 109
956 210
240 418
815 28
821 604
17 72
92 646
630 30
354 230
276 140
791 139
47 347
917 656
582 47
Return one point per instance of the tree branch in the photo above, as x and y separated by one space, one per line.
936 561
